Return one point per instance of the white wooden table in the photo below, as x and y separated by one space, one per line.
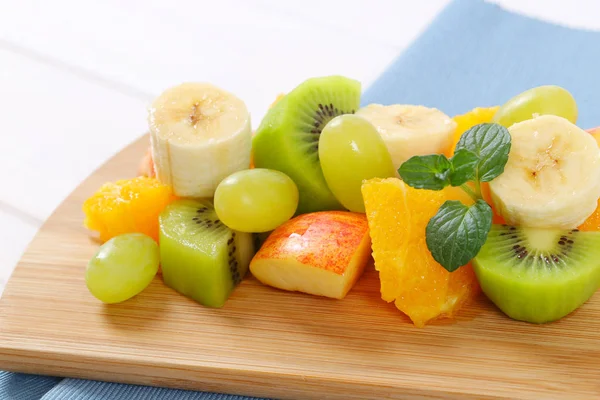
76 76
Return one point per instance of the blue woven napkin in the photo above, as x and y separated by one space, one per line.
477 54
473 54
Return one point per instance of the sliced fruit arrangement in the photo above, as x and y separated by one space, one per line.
200 134
322 253
200 257
287 139
503 199
409 130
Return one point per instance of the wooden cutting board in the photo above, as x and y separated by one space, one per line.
270 343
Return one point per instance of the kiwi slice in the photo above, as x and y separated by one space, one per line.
287 139
538 275
200 257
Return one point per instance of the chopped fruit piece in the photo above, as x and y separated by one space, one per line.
200 134
476 116
127 206
287 139
200 257
409 130
122 268
538 275
146 167
322 253
350 151
420 287
542 185
541 100
256 200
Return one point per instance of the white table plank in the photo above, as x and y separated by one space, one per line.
252 51
15 235
57 128
394 22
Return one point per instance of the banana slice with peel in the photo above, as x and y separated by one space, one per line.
552 177
200 134
409 130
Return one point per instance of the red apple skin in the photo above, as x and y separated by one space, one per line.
308 239
322 254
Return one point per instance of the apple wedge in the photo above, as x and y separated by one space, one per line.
322 253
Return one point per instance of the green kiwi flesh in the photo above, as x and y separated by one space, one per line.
200 257
287 139
538 275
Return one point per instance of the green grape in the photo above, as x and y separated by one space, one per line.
351 150
256 200
123 267
541 100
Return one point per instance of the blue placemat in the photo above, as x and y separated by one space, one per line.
477 54
473 54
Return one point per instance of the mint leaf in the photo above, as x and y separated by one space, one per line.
426 172
464 167
456 232
491 144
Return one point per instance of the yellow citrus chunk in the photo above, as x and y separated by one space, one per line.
127 206
409 276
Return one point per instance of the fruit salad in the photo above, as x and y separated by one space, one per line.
500 201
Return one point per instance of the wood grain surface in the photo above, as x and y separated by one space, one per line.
270 343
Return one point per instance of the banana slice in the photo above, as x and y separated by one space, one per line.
552 177
200 134
410 130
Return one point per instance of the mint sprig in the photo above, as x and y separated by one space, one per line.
435 171
491 144
456 232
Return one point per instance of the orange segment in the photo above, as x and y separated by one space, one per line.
466 121
127 206
409 276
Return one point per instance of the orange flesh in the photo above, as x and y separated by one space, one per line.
409 276
127 206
